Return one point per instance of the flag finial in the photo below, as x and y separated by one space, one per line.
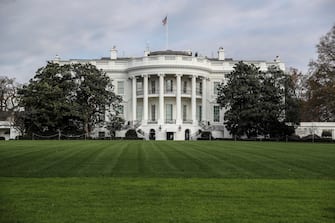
164 21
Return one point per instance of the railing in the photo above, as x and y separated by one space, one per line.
170 121
131 124
169 91
137 123
186 91
187 121
153 91
139 92
195 135
152 122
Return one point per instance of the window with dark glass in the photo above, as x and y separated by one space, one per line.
169 86
216 113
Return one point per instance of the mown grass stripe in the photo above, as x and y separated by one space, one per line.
168 159
223 162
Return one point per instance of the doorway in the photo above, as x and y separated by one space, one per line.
169 135
187 134
152 134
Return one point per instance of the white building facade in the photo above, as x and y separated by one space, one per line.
7 130
320 129
169 95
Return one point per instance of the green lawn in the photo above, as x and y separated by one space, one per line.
146 181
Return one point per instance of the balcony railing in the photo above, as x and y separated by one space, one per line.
152 122
170 121
170 91
139 92
186 91
153 91
187 121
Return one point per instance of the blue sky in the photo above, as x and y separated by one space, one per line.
34 31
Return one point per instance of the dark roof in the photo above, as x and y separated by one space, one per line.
170 52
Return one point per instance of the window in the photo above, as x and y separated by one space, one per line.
153 112
169 86
139 87
153 87
184 112
139 112
216 113
199 88
169 112
216 85
185 87
120 87
199 113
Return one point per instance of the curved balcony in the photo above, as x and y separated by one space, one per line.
168 93
170 121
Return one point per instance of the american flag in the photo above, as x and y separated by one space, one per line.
164 21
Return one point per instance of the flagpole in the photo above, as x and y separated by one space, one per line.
167 35
166 24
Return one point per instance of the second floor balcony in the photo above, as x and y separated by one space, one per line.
155 92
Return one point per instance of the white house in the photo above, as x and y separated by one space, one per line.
169 95
321 129
7 130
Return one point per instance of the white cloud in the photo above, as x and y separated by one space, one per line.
36 30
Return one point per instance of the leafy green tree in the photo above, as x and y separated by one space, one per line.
320 103
115 123
271 101
292 101
257 103
69 98
240 97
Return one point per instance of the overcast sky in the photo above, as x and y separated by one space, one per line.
34 31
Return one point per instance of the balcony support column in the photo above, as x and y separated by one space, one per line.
145 98
161 99
178 100
134 99
193 100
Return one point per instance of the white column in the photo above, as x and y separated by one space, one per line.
178 100
134 98
204 99
145 98
193 99
161 99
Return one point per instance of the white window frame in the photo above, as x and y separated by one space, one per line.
139 112
153 112
169 85
216 117
169 112
184 112
120 87
199 113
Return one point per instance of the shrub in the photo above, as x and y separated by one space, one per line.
131 134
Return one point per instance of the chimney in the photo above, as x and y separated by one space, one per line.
221 54
147 50
113 53
57 57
